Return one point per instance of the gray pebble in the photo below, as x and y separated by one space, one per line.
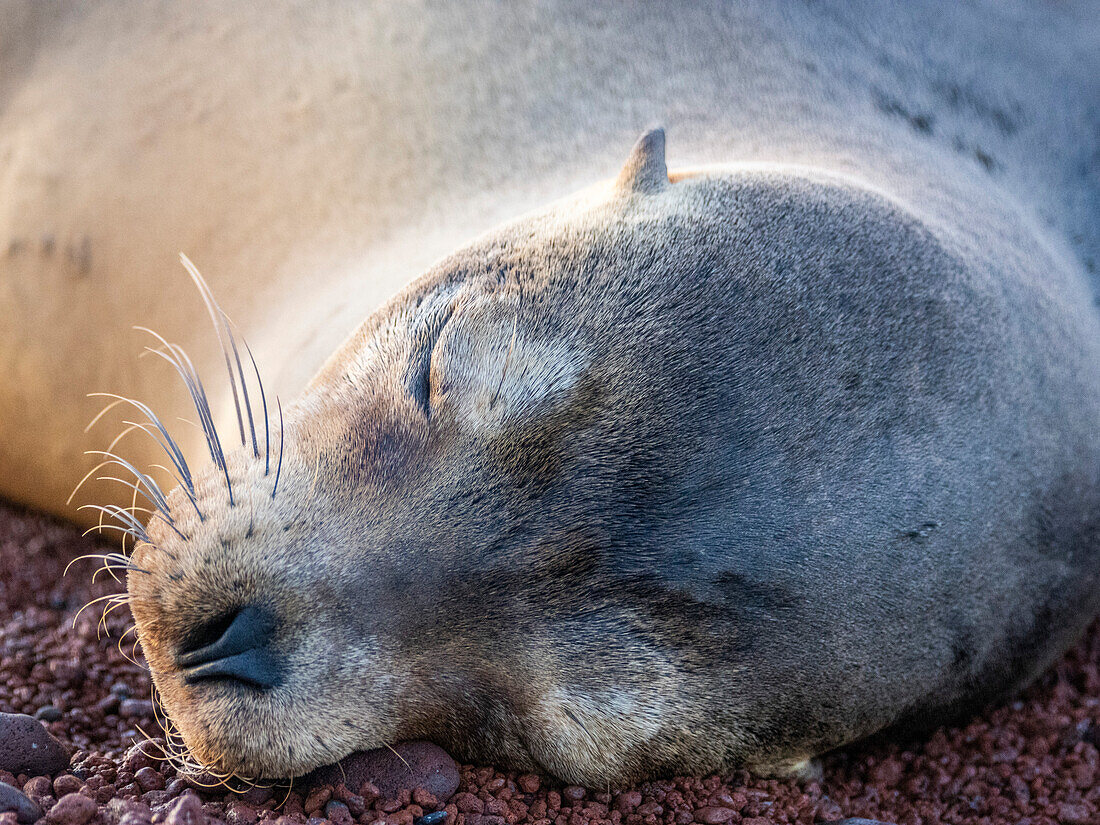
27 747
12 799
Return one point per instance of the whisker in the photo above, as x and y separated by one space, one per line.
244 385
109 596
182 476
133 485
164 439
215 311
158 499
101 413
279 469
99 528
103 617
289 790
119 561
134 527
87 475
126 517
132 659
110 572
263 400
399 756
190 495
182 364
133 509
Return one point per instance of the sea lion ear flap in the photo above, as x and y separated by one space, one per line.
645 170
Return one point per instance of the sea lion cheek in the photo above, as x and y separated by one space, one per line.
576 732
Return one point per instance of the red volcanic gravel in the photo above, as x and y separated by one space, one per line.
1031 762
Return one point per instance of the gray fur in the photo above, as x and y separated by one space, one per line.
826 466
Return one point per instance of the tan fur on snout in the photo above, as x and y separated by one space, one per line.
272 551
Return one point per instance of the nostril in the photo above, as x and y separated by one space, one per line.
233 646
205 635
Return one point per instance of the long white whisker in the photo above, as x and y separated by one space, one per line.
220 329
180 361
165 440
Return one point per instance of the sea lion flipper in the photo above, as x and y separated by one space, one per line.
645 170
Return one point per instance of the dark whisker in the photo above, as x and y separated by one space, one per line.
124 530
279 468
263 400
133 485
158 499
244 385
114 561
187 489
166 442
128 518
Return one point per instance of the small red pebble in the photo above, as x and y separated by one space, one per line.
149 779
735 800
370 793
1077 814
66 784
185 810
72 809
240 813
468 803
389 805
529 782
574 793
317 799
650 808
425 798
627 801
338 813
714 815
293 804
38 787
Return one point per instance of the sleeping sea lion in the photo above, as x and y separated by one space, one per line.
728 466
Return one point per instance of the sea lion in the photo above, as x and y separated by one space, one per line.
724 467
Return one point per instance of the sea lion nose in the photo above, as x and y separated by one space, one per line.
233 646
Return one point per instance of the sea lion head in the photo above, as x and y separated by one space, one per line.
445 535
348 578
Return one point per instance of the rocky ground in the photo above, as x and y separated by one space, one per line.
74 762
